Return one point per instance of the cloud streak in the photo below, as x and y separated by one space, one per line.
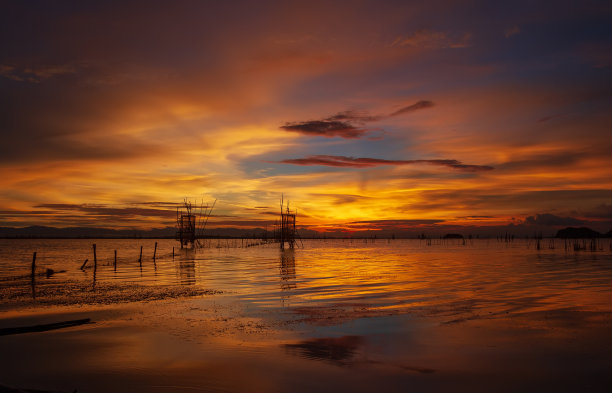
514 30
102 210
35 74
364 162
430 39
412 108
348 124
552 220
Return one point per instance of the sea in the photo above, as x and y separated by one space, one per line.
330 315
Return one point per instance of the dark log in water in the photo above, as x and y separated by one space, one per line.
43 328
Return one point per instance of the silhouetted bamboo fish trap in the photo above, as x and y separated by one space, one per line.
191 222
286 232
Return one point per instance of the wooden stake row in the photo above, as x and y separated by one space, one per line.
115 258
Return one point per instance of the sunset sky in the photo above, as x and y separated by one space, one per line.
364 114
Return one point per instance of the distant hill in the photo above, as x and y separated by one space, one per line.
83 232
43 232
577 233
453 236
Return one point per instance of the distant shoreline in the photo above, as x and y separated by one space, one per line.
42 232
380 238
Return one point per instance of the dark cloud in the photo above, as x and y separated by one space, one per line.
363 162
17 213
510 31
106 211
168 205
601 211
20 149
268 213
397 223
486 198
341 199
343 124
552 220
549 161
431 39
245 223
326 128
360 117
414 107
547 118
35 74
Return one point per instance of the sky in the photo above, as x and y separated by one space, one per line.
365 115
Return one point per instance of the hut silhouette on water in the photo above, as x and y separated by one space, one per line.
286 231
190 223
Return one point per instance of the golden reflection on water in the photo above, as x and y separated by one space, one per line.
287 269
186 267
483 278
335 315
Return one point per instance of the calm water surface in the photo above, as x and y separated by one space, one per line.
334 315
392 275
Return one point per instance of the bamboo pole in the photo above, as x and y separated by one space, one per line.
140 257
95 258
155 252
34 275
33 265
95 265
115 263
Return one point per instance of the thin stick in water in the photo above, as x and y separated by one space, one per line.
155 252
33 265
95 258
34 275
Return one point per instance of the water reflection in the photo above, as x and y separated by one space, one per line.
186 267
346 351
337 279
95 270
337 350
287 269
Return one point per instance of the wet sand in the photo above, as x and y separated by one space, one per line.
214 343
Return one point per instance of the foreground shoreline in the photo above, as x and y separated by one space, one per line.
201 343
